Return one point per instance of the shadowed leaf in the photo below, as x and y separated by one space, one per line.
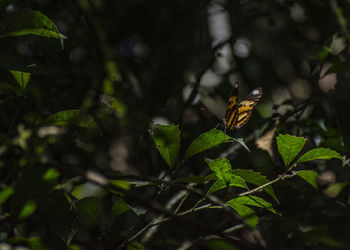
167 140
66 117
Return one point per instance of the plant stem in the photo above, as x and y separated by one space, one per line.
155 223
283 176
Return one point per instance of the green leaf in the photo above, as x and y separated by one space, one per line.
252 200
309 176
66 117
27 210
289 146
222 169
246 213
167 140
207 140
210 177
319 153
36 243
119 208
51 174
217 185
335 189
124 184
57 212
255 178
136 246
235 181
22 78
241 141
29 22
90 211
5 194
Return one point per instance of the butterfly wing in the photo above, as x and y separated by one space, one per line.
244 109
232 111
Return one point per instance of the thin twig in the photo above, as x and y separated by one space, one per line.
155 223
181 202
283 176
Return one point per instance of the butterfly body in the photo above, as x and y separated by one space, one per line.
237 114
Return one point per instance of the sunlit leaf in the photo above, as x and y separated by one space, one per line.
22 78
222 169
51 174
121 184
66 117
309 176
136 246
27 210
255 178
29 22
252 200
319 153
289 146
246 213
87 190
234 181
167 140
207 140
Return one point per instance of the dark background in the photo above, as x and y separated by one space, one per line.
127 64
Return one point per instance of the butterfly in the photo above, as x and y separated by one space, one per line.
237 114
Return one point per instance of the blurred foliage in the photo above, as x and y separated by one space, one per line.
88 159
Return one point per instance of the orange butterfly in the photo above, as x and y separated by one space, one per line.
238 114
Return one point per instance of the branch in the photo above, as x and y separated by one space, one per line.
155 223
281 177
